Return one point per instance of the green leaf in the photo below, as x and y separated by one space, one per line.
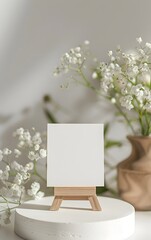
47 99
112 143
106 129
100 190
50 116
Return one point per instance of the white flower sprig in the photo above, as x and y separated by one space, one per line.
125 80
14 176
74 61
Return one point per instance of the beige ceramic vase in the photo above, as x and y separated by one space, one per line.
134 174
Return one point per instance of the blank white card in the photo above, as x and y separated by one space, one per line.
75 155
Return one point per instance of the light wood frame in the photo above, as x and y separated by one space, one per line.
75 193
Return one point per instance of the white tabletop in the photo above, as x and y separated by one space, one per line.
143 228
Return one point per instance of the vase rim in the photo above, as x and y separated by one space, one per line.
137 136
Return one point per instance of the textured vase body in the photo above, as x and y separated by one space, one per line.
134 174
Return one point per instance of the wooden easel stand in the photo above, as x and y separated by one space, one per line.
75 193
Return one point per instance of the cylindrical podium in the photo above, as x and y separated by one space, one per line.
75 220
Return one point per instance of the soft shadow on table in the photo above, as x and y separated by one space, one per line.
34 206
46 207
74 208
9 234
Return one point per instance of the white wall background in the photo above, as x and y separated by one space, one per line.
35 33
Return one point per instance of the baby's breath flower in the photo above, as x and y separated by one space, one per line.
15 176
26 136
147 106
124 79
31 155
86 42
145 77
7 151
21 144
7 168
73 60
39 195
43 153
141 52
94 75
36 147
18 179
148 45
78 49
126 102
25 175
113 100
35 186
29 166
17 190
34 191
138 91
135 70
110 53
19 131
36 139
17 152
139 40
30 192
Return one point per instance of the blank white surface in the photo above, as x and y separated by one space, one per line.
75 155
75 220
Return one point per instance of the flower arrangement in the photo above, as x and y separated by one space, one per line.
14 176
125 80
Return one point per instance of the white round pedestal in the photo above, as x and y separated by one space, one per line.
75 220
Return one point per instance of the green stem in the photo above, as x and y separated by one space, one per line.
19 202
127 79
10 202
147 123
36 173
124 115
8 208
6 201
87 83
141 124
50 116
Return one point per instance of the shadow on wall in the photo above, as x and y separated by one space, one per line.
86 109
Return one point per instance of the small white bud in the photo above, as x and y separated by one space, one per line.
86 42
43 153
94 75
37 146
77 49
148 45
6 151
113 100
139 40
110 53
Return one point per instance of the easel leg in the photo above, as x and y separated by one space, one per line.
56 204
94 203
